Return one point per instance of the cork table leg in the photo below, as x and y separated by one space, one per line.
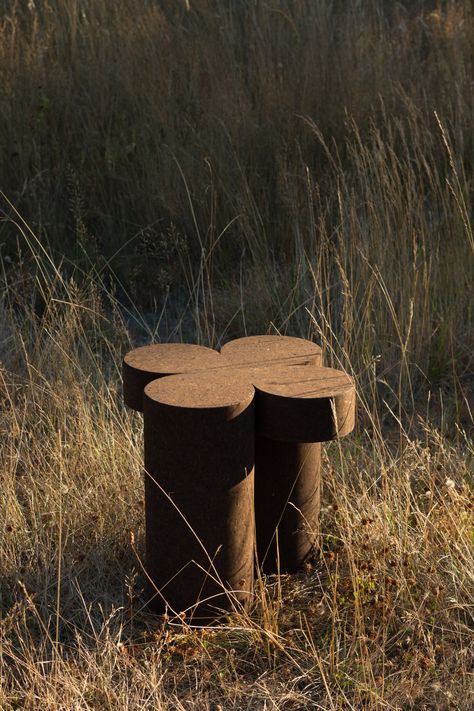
287 502
296 409
199 487
287 480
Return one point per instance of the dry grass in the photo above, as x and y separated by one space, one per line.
300 168
382 620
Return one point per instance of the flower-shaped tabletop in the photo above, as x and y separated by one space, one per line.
296 399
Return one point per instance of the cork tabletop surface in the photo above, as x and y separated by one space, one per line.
172 358
275 349
302 382
201 390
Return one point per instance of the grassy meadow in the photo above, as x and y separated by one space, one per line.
200 170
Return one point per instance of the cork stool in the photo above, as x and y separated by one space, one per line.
210 418
199 455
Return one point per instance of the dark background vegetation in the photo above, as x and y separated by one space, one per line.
140 125
157 141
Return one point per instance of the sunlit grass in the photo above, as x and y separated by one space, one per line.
381 618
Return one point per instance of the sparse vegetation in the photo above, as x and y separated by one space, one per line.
201 170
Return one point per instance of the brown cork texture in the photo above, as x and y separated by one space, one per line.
287 474
144 364
296 408
297 404
287 503
199 492
304 404
275 350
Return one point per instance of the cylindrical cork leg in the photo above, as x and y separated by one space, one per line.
199 489
287 474
296 409
287 503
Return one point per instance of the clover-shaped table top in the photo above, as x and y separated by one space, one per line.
296 399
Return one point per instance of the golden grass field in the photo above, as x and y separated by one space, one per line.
202 170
